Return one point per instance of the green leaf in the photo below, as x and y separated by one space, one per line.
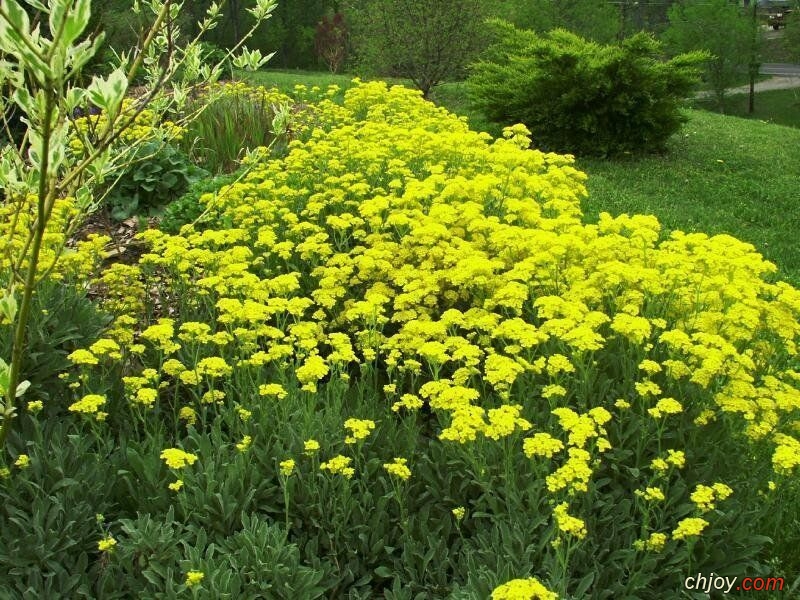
108 93
77 18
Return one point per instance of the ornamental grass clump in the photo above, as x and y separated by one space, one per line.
475 388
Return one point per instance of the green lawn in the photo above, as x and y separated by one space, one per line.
286 80
776 106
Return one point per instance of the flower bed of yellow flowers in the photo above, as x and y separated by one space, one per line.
404 345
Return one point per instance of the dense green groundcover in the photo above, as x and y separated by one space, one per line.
397 362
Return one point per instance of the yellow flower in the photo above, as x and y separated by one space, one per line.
652 494
523 589
650 366
23 461
459 512
312 370
553 391
787 455
541 444
398 468
409 402
34 406
704 496
310 447
213 366
567 523
665 406
212 396
175 486
272 389
339 464
655 543
188 414
146 396
287 467
177 458
244 444
89 404
82 357
173 367
359 429
107 544
647 388
689 527
676 458
194 578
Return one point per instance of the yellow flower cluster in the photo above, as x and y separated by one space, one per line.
523 589
655 543
146 126
177 458
392 237
339 465
89 404
567 523
652 494
194 578
286 467
77 263
359 429
107 544
689 527
705 496
398 468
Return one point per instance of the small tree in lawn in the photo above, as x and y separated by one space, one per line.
426 41
330 41
720 28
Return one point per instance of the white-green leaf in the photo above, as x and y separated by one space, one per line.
22 388
108 93
8 306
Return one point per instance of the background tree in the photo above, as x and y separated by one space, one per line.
722 29
330 41
596 20
791 35
427 41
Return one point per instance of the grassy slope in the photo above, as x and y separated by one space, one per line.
722 174
781 107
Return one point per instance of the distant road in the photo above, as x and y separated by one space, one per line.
780 69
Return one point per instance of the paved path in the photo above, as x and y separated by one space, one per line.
784 76
773 83
780 69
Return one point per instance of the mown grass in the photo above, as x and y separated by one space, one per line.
286 80
781 107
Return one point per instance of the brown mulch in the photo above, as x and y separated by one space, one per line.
123 247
